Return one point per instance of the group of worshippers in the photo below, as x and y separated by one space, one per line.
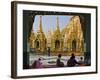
70 63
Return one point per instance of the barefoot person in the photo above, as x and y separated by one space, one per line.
37 64
58 62
81 61
72 61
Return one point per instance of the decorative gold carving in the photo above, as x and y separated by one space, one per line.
70 39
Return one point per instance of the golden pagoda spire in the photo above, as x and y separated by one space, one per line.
40 26
57 23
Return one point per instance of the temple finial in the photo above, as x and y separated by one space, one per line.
40 26
57 23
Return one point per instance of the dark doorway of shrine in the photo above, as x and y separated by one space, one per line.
57 44
74 45
37 44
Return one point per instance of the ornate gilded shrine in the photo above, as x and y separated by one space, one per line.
38 40
73 36
56 39
69 40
